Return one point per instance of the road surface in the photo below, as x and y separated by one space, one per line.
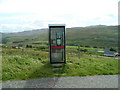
98 81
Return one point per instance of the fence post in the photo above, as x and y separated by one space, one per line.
79 51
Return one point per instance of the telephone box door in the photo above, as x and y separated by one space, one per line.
57 43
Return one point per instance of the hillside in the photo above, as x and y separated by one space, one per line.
100 35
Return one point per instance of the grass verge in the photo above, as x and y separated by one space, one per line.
36 65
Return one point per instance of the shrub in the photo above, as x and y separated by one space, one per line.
28 46
112 49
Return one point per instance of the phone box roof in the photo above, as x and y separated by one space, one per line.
56 25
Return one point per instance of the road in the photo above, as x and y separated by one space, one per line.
98 81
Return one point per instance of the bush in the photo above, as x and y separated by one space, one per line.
41 47
112 49
28 46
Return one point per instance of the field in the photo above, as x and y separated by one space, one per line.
29 63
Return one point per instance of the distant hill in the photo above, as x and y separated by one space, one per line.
99 35
25 33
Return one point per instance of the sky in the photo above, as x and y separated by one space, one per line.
24 15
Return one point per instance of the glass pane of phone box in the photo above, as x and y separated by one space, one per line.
57 39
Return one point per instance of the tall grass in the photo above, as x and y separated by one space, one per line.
29 64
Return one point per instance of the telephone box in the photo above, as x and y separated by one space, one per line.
57 43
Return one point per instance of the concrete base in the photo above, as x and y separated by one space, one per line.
57 65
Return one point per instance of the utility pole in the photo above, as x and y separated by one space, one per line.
79 51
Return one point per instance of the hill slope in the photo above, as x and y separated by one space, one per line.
100 35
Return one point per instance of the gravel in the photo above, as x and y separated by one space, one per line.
98 81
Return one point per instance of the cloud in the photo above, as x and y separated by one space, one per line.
14 27
19 15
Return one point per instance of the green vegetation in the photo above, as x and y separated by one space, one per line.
0 68
28 63
98 36
25 54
